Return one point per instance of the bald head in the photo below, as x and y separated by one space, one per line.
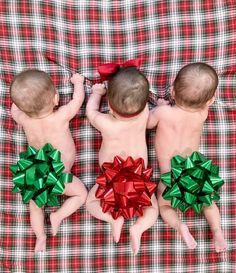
195 85
128 91
32 91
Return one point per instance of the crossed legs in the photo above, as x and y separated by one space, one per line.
143 223
77 192
170 216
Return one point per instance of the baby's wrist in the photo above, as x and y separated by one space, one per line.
99 89
79 81
98 93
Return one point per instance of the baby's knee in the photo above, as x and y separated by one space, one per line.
88 203
154 201
91 200
163 203
76 188
81 191
83 194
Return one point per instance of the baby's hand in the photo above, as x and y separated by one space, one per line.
99 89
161 102
77 78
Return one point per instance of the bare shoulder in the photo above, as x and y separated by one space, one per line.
103 122
61 114
107 119
157 114
163 110
61 110
19 116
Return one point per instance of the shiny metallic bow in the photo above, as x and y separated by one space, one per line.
192 182
38 175
125 187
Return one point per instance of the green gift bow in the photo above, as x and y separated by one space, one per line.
38 175
192 182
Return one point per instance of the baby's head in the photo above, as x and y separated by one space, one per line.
128 92
33 92
195 86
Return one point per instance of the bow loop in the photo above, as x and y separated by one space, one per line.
133 62
109 69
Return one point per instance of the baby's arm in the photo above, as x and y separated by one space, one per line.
95 117
17 114
155 113
152 119
72 108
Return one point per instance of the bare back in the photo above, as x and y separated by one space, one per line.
124 137
178 133
53 129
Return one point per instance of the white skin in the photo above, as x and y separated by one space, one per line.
178 132
53 127
123 137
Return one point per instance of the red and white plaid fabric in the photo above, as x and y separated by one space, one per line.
62 37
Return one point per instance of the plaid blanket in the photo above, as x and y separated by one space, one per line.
61 37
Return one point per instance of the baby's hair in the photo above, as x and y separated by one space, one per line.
128 91
195 84
32 91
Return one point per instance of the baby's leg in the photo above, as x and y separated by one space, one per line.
37 224
170 216
213 218
93 206
78 193
143 223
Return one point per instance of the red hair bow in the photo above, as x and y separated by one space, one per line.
106 70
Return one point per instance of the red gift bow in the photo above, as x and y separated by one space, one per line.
125 187
109 69
106 70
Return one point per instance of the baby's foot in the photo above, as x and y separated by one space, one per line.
135 238
219 241
187 237
116 227
40 244
55 223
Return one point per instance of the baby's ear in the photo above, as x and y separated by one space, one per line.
109 108
211 101
172 92
56 99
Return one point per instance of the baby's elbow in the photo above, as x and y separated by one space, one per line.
89 113
151 125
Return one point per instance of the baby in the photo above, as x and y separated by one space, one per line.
178 132
123 134
34 99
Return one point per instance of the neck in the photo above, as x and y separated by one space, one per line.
121 114
43 115
189 109
119 117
